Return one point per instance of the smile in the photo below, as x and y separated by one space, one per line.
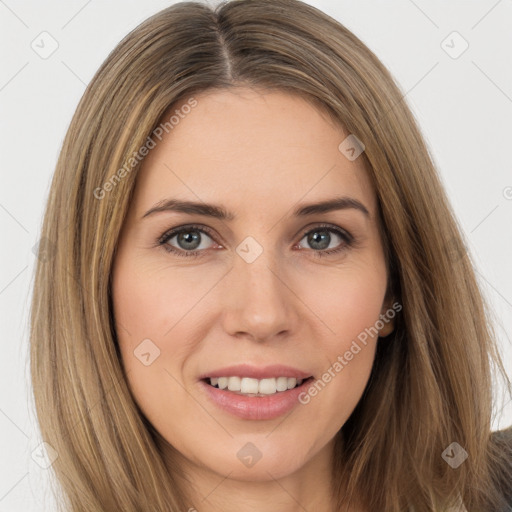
255 392
255 387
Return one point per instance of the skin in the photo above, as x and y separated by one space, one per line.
258 155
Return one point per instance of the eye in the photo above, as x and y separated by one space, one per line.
326 239
186 240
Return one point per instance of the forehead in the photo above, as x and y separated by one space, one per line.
240 146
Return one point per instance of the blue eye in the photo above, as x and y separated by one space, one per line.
193 240
189 240
320 239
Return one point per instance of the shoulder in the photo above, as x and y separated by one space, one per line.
503 440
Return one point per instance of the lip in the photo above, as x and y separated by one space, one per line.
256 372
255 408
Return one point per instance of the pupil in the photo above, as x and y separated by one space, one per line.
187 240
323 238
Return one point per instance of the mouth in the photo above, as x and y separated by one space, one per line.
255 392
251 387
250 398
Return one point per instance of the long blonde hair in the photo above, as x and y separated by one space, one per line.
431 384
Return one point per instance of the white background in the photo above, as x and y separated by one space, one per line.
463 105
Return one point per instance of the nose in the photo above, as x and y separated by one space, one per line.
258 302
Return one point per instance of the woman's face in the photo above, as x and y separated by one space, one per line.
278 285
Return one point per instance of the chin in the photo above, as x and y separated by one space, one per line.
258 458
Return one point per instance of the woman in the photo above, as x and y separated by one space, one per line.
259 297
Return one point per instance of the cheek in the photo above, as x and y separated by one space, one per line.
151 302
146 307
348 304
154 308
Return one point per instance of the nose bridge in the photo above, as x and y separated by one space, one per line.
257 301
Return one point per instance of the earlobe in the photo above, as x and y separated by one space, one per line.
389 327
386 322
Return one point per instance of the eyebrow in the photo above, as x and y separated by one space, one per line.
218 212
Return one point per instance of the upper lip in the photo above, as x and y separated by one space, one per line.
257 372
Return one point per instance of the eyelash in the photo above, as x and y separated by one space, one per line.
347 238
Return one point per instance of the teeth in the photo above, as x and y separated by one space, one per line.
282 383
234 383
249 386
268 386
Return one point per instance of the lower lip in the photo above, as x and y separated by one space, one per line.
254 407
